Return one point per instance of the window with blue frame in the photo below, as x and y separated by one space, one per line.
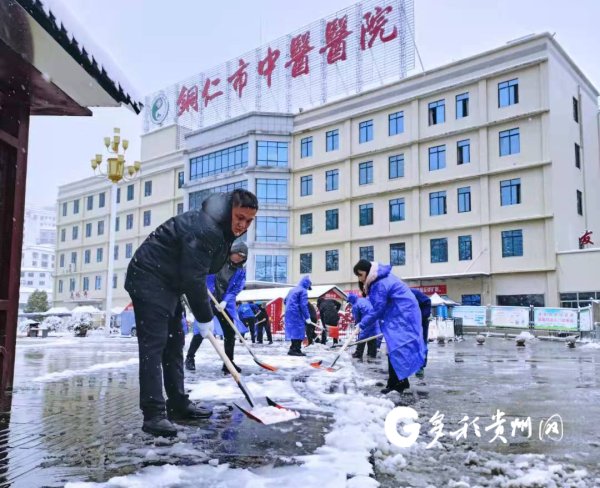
101 227
114 281
98 283
197 197
365 131
462 105
75 206
129 222
397 209
332 180
510 142
306 262
86 283
62 260
332 140
87 256
396 123
464 199
396 166
332 260
365 173
222 161
437 203
90 202
116 252
306 185
367 252
510 192
60 286
465 248
130 192
180 179
71 284
471 300
118 195
271 268
332 219
128 250
463 151
306 148
271 229
117 224
398 254
271 191
508 93
437 157
63 235
439 250
148 188
272 153
512 243
437 112
88 230
64 209
147 217
365 214
101 200
179 208
306 224
99 254
75 232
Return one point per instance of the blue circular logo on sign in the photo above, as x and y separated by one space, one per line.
159 109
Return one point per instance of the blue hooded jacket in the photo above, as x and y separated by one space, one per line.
296 310
360 308
424 304
397 308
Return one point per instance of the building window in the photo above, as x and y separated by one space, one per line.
271 268
437 203
98 283
117 222
74 258
439 250
508 93
88 230
306 224
114 281
332 140
272 191
365 131
579 202
510 142
63 235
197 197
397 210
101 227
332 260
271 229
332 180
306 144
398 254
437 157
129 222
512 243
396 166
180 179
101 200
270 153
437 112
62 261
366 214
462 105
118 195
86 283
465 248
75 206
464 199
471 300
179 208
60 286
128 250
463 151
367 252
395 123
130 192
71 284
147 188
64 209
116 252
306 263
75 232
147 217
365 173
332 219
575 110
577 155
578 300
90 202
222 161
306 186
99 254
87 256
510 192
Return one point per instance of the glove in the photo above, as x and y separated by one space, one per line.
221 306
205 328
357 330
309 322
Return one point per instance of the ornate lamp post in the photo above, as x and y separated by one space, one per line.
116 171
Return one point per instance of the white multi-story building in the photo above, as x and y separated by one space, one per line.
39 226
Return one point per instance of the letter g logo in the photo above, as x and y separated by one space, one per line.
407 417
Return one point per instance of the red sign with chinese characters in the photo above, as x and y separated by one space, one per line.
430 290
275 313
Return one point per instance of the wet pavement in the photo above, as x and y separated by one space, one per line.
75 414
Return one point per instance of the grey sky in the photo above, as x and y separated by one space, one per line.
157 43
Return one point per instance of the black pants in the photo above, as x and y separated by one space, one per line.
324 335
259 331
160 342
296 345
228 334
250 323
371 349
425 324
310 333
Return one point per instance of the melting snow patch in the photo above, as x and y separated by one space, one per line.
69 373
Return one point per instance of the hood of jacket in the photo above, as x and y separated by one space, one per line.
305 283
352 298
218 207
377 272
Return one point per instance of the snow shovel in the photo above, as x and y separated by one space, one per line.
366 340
241 337
331 369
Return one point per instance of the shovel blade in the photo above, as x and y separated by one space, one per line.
262 418
265 365
317 364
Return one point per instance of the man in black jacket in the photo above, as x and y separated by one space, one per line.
328 309
174 260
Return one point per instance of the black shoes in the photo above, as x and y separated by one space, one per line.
226 371
295 352
357 356
159 426
399 387
420 373
188 411
190 364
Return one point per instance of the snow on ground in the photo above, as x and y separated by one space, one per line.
69 373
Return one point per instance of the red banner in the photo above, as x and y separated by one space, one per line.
275 313
430 290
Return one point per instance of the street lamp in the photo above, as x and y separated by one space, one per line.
116 170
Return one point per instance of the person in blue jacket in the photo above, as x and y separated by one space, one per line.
297 315
225 285
361 307
398 311
425 307
246 312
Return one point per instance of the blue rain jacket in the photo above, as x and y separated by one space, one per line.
296 310
397 308
360 308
